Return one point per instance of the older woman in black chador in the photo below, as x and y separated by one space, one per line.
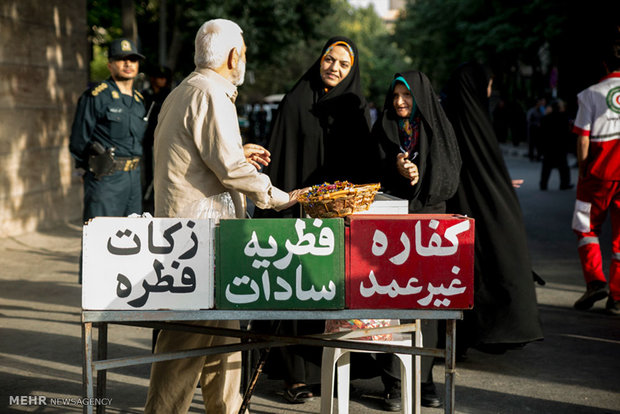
505 313
419 150
321 133
421 164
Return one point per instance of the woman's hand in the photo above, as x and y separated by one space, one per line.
406 168
256 155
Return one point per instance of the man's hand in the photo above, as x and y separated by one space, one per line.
256 155
292 198
517 183
406 168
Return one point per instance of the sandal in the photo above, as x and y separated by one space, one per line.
298 395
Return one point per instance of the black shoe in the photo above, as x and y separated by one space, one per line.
392 400
612 306
595 291
298 395
429 395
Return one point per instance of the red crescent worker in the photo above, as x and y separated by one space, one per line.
598 191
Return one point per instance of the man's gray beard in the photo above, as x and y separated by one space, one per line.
238 75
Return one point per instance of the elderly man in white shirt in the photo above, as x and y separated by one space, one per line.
198 153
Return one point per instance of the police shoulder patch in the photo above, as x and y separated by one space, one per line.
97 90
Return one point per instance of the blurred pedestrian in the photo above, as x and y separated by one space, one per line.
534 118
321 133
555 138
198 153
420 163
505 313
160 84
598 190
260 128
374 113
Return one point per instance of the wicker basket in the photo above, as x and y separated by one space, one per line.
339 203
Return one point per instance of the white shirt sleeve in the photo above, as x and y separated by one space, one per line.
218 140
583 120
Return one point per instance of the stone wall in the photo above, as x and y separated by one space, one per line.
43 70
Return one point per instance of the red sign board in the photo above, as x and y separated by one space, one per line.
412 261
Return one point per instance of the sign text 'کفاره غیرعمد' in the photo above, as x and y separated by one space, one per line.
410 261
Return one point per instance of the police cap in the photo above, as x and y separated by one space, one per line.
123 48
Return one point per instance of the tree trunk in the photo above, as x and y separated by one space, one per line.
176 43
163 20
128 18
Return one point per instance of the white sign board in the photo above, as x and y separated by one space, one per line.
387 204
148 264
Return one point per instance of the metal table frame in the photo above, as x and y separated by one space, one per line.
164 319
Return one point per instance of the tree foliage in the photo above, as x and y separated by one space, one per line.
105 14
283 37
379 58
276 33
519 40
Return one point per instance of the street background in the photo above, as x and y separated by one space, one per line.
574 370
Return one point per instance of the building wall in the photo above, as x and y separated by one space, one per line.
43 70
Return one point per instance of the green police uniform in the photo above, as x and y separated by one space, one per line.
116 121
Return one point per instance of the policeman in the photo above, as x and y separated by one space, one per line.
106 137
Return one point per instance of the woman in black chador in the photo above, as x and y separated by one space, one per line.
420 163
419 152
505 313
320 133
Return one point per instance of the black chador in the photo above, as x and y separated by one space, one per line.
505 312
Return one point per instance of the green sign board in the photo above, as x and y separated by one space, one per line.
280 264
